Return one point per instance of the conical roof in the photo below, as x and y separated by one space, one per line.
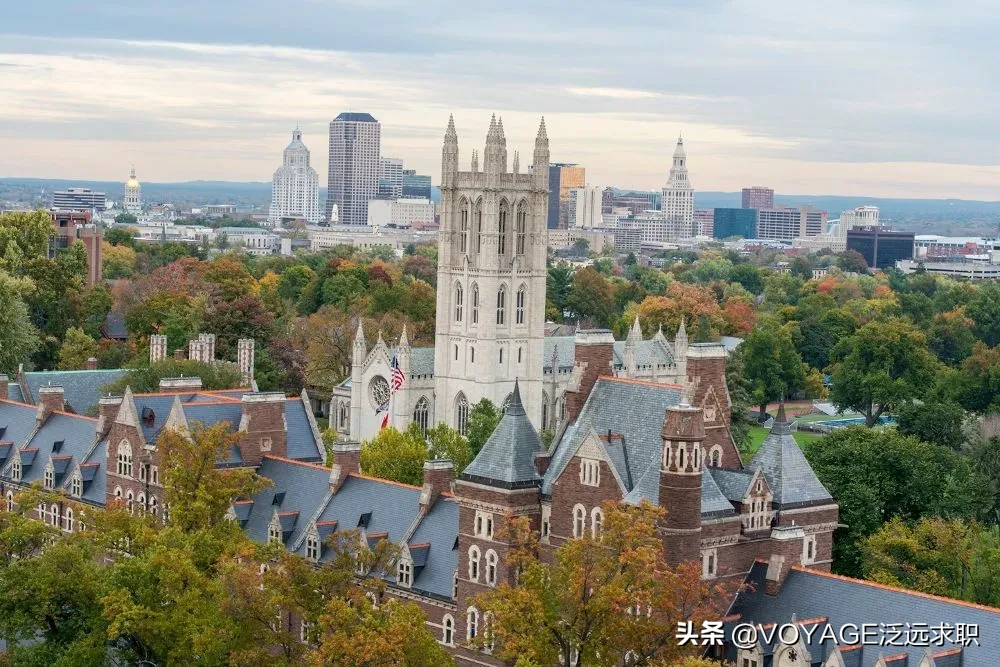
507 460
791 478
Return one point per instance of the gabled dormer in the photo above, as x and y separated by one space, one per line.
282 526
316 539
755 510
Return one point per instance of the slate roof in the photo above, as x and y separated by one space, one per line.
507 459
714 503
732 483
439 529
650 352
792 480
356 117
77 441
18 421
810 594
14 392
96 490
302 442
81 389
114 326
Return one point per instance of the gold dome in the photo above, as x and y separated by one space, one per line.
132 183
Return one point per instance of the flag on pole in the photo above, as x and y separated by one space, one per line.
397 376
385 422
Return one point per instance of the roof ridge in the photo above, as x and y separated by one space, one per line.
73 414
895 589
306 464
26 405
379 479
648 383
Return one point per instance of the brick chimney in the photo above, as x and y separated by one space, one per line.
92 364
107 410
437 480
50 399
262 426
4 381
786 552
181 384
345 459
179 354
594 356
542 462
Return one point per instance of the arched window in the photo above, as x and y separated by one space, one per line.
125 458
154 507
501 304
10 501
420 414
141 502
458 302
501 356
522 226
274 531
448 630
118 493
596 523
522 295
475 303
15 470
68 520
491 567
343 412
471 623
502 230
76 486
545 409
715 457
579 520
130 501
474 563
462 413
464 233
479 226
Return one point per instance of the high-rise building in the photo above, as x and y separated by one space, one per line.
862 216
758 197
355 145
607 200
295 188
390 178
881 247
788 223
77 226
637 202
678 196
704 221
416 186
587 206
562 179
79 199
729 222
132 203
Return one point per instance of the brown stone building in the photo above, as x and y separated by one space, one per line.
77 226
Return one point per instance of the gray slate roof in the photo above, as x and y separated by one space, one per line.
732 483
650 352
14 392
792 480
356 117
810 594
507 460
713 503
82 389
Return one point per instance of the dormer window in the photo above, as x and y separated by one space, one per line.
16 470
312 548
274 531
590 472
50 477
404 572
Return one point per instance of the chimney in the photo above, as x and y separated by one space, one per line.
245 359
4 381
181 384
179 354
157 348
786 551
345 459
775 575
92 364
437 480
196 350
262 426
542 461
207 347
107 410
50 399
594 358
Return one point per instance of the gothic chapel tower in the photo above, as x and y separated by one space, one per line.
491 278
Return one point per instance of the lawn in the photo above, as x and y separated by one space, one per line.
759 433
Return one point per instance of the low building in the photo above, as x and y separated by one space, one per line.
968 270
367 238
881 247
219 210
932 246
255 241
597 239
400 212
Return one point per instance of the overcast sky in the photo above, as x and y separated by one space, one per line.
867 97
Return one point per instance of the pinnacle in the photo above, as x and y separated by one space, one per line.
541 132
450 133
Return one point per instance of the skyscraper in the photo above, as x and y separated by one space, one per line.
355 145
587 207
133 195
562 179
758 197
678 196
390 179
295 188
416 186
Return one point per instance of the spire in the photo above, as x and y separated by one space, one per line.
682 331
792 480
515 407
516 168
500 134
404 341
491 134
636 332
450 135
780 420
359 336
542 136
475 160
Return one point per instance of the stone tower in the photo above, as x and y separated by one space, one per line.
491 278
680 482
678 195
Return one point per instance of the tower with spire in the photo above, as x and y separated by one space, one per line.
295 187
491 277
132 202
678 195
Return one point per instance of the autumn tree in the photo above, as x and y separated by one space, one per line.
880 366
771 363
394 455
76 349
683 301
591 297
483 420
606 600
978 385
950 336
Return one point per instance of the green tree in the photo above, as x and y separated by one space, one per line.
23 236
395 455
877 474
801 266
483 420
125 219
950 336
746 274
591 297
771 363
558 286
984 310
18 336
581 247
882 365
852 261
118 236
76 349
978 383
938 422
144 380
739 388
294 280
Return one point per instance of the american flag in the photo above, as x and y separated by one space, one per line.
397 376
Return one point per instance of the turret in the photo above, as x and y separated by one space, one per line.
449 155
502 139
541 165
680 482
492 154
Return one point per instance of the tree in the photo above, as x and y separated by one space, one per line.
118 236
852 261
938 422
124 219
483 420
579 607
581 247
801 266
772 364
421 268
591 297
950 336
244 317
984 310
293 282
978 385
877 474
693 304
882 365
76 349
558 286
144 380
739 399
746 274
24 236
18 336
395 455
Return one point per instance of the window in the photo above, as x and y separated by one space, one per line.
50 478
456 353
458 302
274 531
304 627
475 303
522 293
68 520
545 409
142 472
471 623
448 630
312 548
546 522
809 550
15 470
715 457
522 225
579 520
154 507
484 525
474 563
501 359
502 230
404 572
41 512
464 233
709 563
10 501
76 486
518 355
462 414
420 414
472 355
479 226
124 458
154 475
596 523
118 493
590 472
501 304
491 567
141 502
265 444
130 501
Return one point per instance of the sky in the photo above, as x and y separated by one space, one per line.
893 98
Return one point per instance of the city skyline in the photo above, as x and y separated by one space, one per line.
807 113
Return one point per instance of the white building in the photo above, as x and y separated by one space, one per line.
400 212
598 239
789 223
79 199
968 270
678 195
588 207
295 188
366 238
391 176
254 241
862 216
132 203
355 155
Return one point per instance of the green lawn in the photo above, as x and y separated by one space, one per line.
758 433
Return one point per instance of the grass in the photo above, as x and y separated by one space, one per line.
759 433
